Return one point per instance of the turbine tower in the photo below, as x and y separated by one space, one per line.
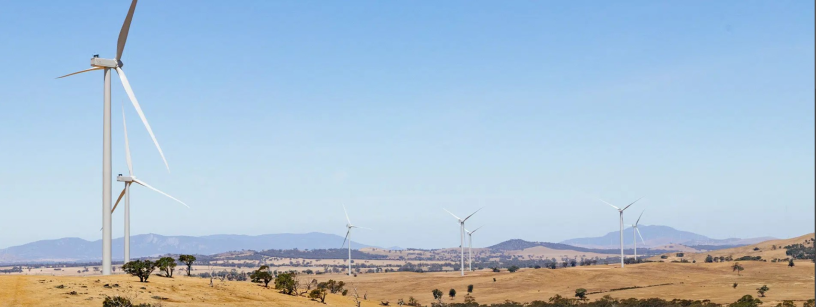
349 226
636 230
106 65
621 223
462 237
126 191
470 247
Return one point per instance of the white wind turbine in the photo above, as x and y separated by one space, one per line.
470 247
621 223
462 237
636 230
106 65
349 226
128 180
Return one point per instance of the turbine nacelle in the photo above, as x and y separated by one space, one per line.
106 63
121 178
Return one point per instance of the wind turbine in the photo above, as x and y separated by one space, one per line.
470 247
128 180
348 237
621 223
636 230
462 237
106 65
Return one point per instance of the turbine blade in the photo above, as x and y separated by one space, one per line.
135 102
476 229
454 215
157 190
472 214
346 239
127 144
346 212
641 214
632 203
613 206
81 71
641 236
120 198
123 33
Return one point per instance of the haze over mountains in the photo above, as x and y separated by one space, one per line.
147 245
655 235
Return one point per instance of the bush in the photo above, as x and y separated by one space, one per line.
495 270
512 269
452 293
141 269
261 275
470 289
286 283
762 290
118 301
318 294
581 293
709 259
680 255
437 294
746 301
664 257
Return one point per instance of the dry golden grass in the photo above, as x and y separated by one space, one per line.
766 250
667 280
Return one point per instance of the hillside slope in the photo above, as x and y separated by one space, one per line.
764 249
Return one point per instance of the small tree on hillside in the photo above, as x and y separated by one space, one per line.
790 263
737 267
470 289
166 264
580 293
187 260
262 275
286 283
709 259
319 293
746 301
762 290
512 269
452 293
138 268
437 294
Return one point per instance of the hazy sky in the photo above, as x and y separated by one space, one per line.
273 114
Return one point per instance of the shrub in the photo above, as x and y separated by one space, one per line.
709 259
680 254
318 294
512 269
746 301
452 293
261 275
762 290
118 301
470 289
581 293
664 257
286 283
437 294
139 268
495 270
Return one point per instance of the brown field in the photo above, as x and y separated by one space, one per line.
766 250
664 280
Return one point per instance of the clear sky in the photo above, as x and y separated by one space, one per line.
273 114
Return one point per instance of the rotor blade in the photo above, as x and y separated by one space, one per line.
135 102
346 212
123 34
81 71
641 236
344 240
454 215
127 144
641 214
613 206
475 229
472 214
120 197
160 192
632 203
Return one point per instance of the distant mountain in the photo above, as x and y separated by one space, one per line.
655 235
76 249
518 244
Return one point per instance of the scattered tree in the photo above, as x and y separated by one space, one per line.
318 294
735 285
512 269
810 303
187 260
139 268
709 259
580 293
437 294
286 283
452 293
737 267
790 263
470 289
762 290
166 264
746 301
786 303
262 275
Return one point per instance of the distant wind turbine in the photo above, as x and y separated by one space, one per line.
470 248
636 230
349 226
462 237
621 223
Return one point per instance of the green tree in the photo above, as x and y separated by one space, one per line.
286 283
166 264
452 293
737 267
470 289
762 290
512 269
187 260
262 274
139 268
581 293
319 293
810 303
790 263
709 259
437 294
746 301
786 303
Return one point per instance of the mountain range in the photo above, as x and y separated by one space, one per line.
149 245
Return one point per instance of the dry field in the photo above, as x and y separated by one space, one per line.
765 250
665 280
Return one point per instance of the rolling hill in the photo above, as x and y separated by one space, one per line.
655 235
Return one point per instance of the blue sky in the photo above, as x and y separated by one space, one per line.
273 114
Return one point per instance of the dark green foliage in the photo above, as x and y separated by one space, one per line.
762 290
286 283
470 289
512 269
749 258
437 294
709 259
663 257
800 251
790 263
118 301
262 275
166 264
139 268
187 260
810 303
746 301
580 293
680 254
318 294
452 293
735 285
495 270
786 303
737 267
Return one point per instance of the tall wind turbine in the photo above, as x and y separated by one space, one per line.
621 223
106 65
636 230
470 247
126 191
349 226
462 237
